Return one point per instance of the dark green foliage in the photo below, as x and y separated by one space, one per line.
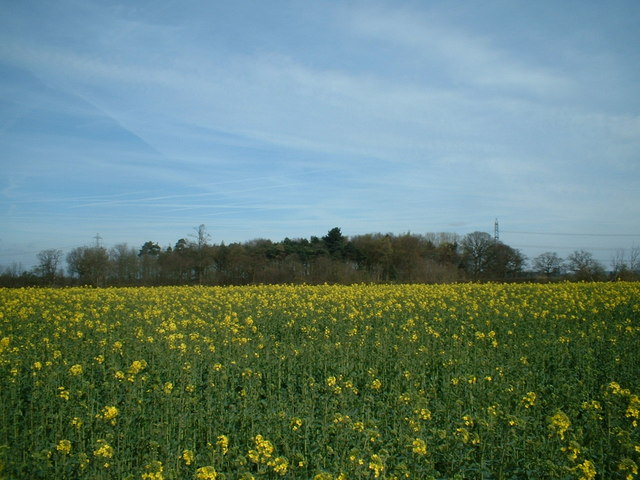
332 258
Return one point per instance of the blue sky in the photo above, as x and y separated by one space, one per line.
142 120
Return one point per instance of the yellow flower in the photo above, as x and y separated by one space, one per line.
76 370
629 467
424 413
592 405
76 422
168 388
349 385
376 465
633 410
83 460
223 442
463 434
187 456
468 421
376 384
108 414
419 446
263 451
573 449
323 476
467 437
529 400
153 471
64 447
296 423
206 473
559 423
104 450
137 366
616 389
280 465
588 470
63 393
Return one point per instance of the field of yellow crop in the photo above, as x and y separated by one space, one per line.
462 381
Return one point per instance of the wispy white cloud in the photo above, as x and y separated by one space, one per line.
467 58
274 99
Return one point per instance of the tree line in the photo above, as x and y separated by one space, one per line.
332 258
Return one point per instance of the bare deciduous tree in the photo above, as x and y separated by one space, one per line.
582 264
476 252
634 259
125 264
49 261
90 264
548 264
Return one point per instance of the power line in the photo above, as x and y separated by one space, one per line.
16 252
574 234
567 247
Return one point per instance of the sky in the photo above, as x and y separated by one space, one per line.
139 121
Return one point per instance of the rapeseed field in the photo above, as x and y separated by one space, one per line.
468 381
